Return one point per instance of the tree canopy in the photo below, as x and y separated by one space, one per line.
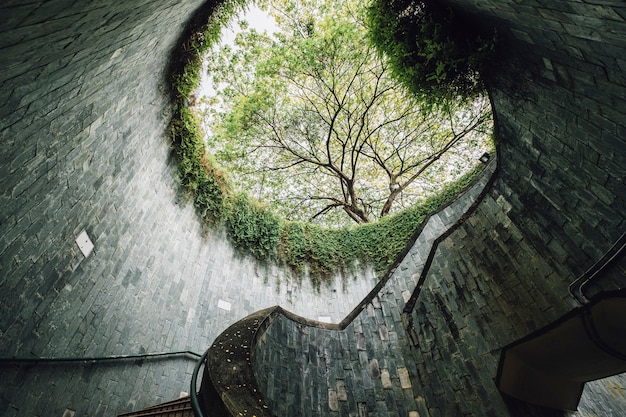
311 120
436 52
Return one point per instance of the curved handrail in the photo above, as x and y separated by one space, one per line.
586 344
576 287
29 359
193 394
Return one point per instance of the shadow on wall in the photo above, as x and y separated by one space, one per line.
551 366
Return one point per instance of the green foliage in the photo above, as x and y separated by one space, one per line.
185 81
327 251
312 100
323 250
325 255
253 227
432 50
195 168
198 172
380 243
293 248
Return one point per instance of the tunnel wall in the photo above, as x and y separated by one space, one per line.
559 100
556 208
84 111
83 117
485 288
83 148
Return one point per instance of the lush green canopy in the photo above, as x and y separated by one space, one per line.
310 119
306 248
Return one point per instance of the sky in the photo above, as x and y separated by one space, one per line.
257 19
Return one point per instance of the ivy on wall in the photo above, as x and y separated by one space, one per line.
252 226
432 50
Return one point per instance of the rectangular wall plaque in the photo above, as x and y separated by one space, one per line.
84 243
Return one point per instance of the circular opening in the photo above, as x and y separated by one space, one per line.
423 131
307 116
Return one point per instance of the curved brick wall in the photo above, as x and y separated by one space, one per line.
487 286
83 113
82 120
82 117
556 207
560 104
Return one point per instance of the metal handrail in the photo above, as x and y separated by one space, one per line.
195 405
576 287
193 394
29 359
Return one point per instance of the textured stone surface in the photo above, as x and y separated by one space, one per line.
478 296
82 125
555 209
373 368
83 112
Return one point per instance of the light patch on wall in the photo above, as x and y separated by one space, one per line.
223 305
405 380
324 319
84 243
547 63
191 315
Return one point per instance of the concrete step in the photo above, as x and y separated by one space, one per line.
176 408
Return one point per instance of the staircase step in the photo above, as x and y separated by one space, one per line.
176 408
173 403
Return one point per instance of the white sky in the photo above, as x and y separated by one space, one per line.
257 19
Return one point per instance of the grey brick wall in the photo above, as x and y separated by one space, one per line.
556 208
559 94
366 367
486 287
83 113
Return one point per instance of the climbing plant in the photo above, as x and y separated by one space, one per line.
437 53
252 226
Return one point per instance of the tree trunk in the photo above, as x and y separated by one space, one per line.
356 214
392 197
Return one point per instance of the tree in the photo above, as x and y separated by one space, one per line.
434 51
311 120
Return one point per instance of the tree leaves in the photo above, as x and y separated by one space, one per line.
435 52
314 101
254 227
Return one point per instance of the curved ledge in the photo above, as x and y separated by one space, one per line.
468 200
577 288
186 354
229 385
550 367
